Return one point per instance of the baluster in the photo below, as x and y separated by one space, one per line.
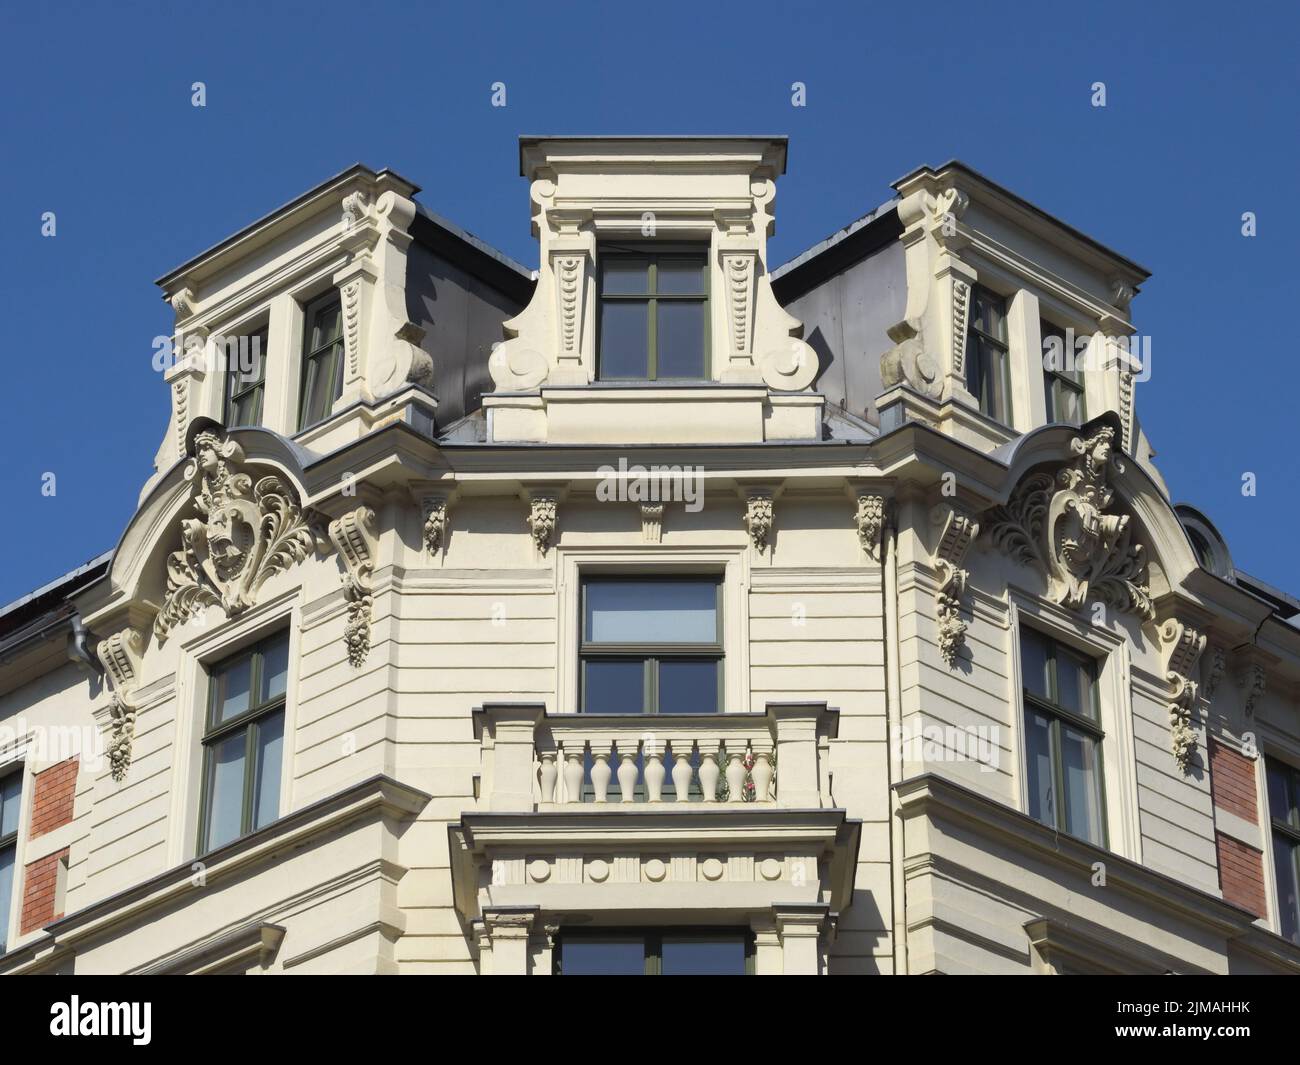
550 776
627 773
573 773
600 771
709 774
682 772
762 774
654 773
736 776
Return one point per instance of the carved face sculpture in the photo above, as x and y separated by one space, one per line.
230 540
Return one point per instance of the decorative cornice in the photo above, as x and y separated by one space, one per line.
870 520
758 518
354 537
1056 523
958 530
120 655
542 517
244 534
1182 646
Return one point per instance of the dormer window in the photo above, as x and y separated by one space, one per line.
322 359
988 364
1062 378
246 379
654 318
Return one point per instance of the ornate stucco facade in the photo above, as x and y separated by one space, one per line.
864 798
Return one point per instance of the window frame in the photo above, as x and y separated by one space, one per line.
249 720
332 353
652 252
976 341
1057 714
9 841
233 395
1063 378
1288 827
652 943
652 654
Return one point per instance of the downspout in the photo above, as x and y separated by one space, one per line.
78 649
893 734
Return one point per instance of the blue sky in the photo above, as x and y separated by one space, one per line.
97 126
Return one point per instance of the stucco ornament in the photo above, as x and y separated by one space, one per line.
1182 647
435 523
246 531
120 655
758 519
354 536
957 532
870 519
542 516
1058 524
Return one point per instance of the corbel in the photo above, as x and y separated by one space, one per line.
652 522
957 530
1252 680
543 514
120 655
355 538
760 510
869 517
1181 646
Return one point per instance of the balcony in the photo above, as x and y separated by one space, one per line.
650 819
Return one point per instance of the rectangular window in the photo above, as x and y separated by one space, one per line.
243 743
651 646
11 793
1063 738
322 359
1062 378
670 952
1284 813
988 362
246 379
654 313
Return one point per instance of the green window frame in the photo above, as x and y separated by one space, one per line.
663 280
653 942
1284 818
322 359
11 795
1063 386
988 354
651 656
246 381
252 686
1064 740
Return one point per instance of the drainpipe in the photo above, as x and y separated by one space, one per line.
78 645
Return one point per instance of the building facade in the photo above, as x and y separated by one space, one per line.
656 610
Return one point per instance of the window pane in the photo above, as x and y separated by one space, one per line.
1279 791
246 362
7 855
226 789
614 686
688 686
1082 785
680 277
651 612
714 956
1038 764
988 314
679 339
1072 685
313 409
270 760
1288 891
1054 355
232 689
324 326
624 339
246 410
625 277
275 669
11 790
1033 663
603 957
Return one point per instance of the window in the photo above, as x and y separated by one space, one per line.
668 952
1284 812
1062 378
1063 738
243 743
654 320
246 380
322 359
651 646
988 365
11 793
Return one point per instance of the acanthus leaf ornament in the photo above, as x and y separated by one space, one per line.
1059 524
1182 647
354 537
435 523
957 533
542 517
245 533
120 655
